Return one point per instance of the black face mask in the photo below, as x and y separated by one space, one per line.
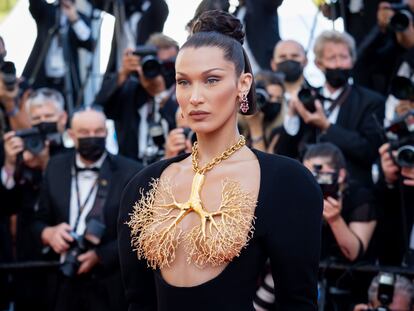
271 110
291 69
337 77
91 148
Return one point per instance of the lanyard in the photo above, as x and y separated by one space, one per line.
81 207
339 101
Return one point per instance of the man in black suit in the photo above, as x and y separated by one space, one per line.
54 62
261 22
135 22
81 189
346 117
143 106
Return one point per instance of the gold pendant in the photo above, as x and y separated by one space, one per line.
218 238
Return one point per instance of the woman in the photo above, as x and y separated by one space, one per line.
201 226
262 129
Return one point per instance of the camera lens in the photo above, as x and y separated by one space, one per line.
405 156
151 67
8 71
400 21
307 98
402 88
262 97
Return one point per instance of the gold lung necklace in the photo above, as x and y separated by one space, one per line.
218 238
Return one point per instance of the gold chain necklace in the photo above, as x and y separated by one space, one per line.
225 155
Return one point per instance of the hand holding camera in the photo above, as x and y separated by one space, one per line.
87 261
316 118
331 209
69 9
177 141
384 14
390 169
58 237
13 145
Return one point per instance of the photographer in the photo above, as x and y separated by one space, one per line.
262 129
402 298
340 112
54 62
143 108
349 222
27 153
135 22
11 101
77 215
395 193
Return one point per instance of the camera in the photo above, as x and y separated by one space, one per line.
400 134
385 293
156 140
327 181
151 65
402 17
82 243
8 73
262 96
308 95
34 138
402 88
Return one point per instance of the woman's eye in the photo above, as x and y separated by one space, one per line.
212 80
182 82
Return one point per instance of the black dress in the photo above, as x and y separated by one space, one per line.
287 230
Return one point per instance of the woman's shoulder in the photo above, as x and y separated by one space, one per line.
274 165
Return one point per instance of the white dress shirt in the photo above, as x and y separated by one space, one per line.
86 181
55 60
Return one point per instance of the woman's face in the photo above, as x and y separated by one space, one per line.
208 88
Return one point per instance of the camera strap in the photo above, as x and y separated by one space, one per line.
81 207
339 101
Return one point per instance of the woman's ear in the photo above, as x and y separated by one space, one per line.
245 82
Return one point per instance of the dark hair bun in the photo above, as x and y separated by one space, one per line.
219 21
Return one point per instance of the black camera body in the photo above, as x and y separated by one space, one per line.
328 182
8 73
151 65
34 138
385 292
402 17
402 88
262 96
400 134
308 95
92 237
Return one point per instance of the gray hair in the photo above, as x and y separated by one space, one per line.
45 95
402 286
334 37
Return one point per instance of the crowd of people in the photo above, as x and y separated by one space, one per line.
61 189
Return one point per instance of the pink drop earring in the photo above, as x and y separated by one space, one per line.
244 104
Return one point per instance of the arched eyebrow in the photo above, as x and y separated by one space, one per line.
203 73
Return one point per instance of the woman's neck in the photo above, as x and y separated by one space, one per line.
213 144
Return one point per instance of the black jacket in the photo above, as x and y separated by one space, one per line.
262 29
152 21
121 104
355 132
46 15
54 202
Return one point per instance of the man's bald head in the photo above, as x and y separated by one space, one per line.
288 50
88 122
